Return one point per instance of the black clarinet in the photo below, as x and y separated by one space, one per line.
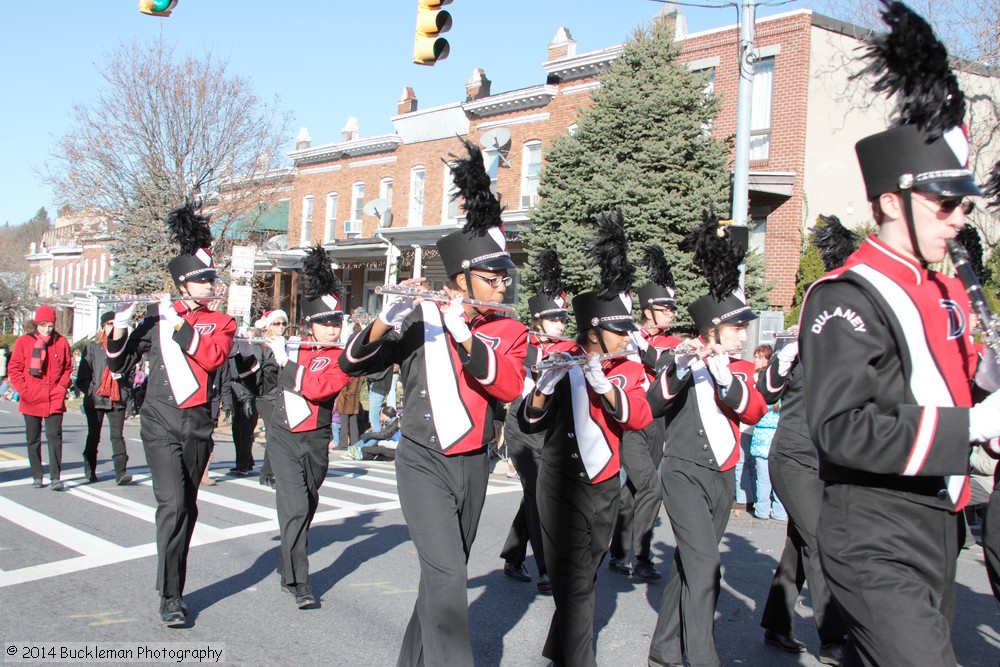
987 323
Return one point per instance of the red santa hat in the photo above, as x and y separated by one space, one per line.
269 317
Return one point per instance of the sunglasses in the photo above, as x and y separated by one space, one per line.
496 281
279 324
948 206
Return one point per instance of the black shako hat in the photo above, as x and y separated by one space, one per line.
550 301
191 231
481 243
107 317
927 148
324 292
660 290
610 307
719 260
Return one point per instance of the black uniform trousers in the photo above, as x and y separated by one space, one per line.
991 541
265 408
243 430
525 451
890 564
53 434
698 502
95 424
577 518
178 444
299 462
801 492
442 499
642 493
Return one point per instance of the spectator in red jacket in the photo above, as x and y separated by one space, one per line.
39 369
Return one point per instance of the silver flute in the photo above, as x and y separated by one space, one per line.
687 348
439 297
122 298
563 360
296 342
537 335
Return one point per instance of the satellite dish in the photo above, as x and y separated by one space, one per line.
379 208
497 140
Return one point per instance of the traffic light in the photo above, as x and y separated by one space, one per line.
428 47
157 7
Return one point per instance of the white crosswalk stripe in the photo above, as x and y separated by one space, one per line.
236 507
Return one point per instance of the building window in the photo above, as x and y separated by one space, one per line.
330 228
531 169
449 204
385 193
491 159
760 110
305 238
758 234
104 266
416 216
352 227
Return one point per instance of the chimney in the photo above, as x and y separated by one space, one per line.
302 140
672 12
478 86
407 102
562 45
350 131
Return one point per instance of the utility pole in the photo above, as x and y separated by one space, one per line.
741 167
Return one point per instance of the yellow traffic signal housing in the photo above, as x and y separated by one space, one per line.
157 7
428 47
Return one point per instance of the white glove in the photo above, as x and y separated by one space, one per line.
718 366
395 308
549 378
988 373
278 348
984 419
682 364
123 315
786 356
167 312
639 340
595 375
245 348
454 321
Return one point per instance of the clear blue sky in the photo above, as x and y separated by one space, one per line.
327 60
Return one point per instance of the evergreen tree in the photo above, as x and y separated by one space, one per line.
644 147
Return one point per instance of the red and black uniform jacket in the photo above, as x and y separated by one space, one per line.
702 419
182 361
540 352
451 396
582 432
46 395
889 363
656 356
309 383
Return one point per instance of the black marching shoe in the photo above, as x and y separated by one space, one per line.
644 569
544 584
516 571
832 653
787 643
172 612
304 598
123 479
621 566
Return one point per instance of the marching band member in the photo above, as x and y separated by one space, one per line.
583 410
704 396
643 450
458 363
186 343
794 472
299 430
548 318
273 325
889 365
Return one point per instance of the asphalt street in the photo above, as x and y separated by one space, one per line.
78 566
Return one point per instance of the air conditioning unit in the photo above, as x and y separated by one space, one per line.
352 228
528 201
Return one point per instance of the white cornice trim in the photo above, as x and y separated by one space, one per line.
581 88
320 170
587 64
357 147
523 120
515 100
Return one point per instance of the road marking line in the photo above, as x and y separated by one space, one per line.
323 500
4 465
45 526
213 498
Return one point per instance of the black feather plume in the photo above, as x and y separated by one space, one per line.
968 236
910 63
472 183
608 250
834 241
658 267
320 278
549 273
190 229
991 188
715 256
